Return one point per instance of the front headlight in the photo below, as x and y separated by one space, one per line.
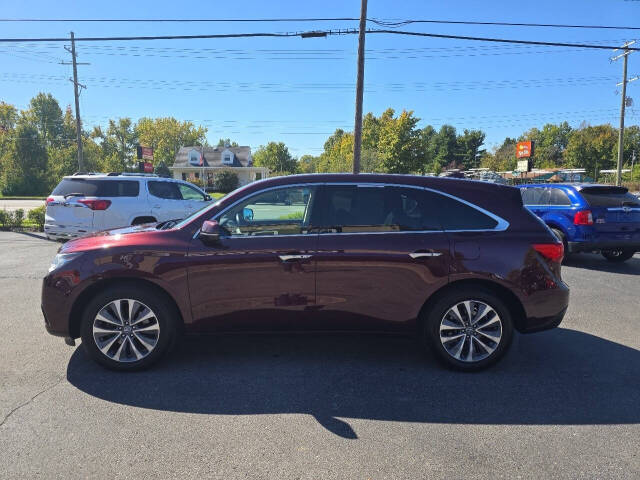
61 259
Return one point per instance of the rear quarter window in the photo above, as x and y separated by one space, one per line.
97 188
455 215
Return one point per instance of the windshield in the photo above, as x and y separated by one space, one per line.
187 220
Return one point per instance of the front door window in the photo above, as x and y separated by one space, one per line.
282 211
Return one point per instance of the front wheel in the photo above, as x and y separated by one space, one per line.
128 328
618 255
468 329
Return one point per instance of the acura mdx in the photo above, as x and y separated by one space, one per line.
458 263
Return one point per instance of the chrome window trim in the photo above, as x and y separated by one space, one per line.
501 226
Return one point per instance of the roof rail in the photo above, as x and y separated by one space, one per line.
133 174
85 173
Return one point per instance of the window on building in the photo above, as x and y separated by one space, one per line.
227 158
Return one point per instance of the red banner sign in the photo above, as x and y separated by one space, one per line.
524 149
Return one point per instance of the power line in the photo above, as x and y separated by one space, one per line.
377 21
315 33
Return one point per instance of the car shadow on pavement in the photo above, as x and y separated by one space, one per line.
593 261
557 377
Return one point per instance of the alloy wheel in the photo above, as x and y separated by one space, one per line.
126 330
470 331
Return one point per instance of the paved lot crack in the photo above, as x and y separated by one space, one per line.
15 409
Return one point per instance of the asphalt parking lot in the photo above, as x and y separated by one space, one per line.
562 404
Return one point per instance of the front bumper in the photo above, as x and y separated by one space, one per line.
576 247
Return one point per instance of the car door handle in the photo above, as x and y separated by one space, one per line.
293 258
424 253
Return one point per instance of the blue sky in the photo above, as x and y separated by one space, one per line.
300 90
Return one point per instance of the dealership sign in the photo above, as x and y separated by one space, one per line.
145 153
524 149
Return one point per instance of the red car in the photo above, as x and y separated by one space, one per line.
458 263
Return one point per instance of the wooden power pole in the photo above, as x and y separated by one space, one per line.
625 56
76 94
357 130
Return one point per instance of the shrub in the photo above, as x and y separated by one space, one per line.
36 216
225 182
16 218
5 219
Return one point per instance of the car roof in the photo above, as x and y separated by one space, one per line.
106 176
398 179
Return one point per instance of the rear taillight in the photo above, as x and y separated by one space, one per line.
583 217
95 204
550 251
50 200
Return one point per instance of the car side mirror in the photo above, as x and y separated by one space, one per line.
210 232
247 214
207 198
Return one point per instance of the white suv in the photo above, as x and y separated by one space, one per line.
82 204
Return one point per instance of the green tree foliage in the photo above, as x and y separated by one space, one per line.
227 141
24 164
469 148
592 148
550 144
167 135
276 157
503 158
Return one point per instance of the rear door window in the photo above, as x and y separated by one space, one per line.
166 190
535 196
97 188
373 208
609 197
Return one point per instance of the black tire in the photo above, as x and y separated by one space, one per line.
431 328
618 255
143 220
164 314
563 239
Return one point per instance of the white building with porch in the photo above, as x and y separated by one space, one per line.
205 162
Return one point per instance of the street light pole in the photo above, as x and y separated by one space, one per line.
357 130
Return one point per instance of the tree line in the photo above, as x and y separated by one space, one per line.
38 146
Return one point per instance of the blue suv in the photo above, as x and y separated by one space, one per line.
588 218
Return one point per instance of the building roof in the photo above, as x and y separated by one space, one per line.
213 156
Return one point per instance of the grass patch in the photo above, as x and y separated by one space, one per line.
292 216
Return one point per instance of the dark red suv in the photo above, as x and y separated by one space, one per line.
457 262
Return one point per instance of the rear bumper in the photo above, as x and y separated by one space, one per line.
545 323
575 247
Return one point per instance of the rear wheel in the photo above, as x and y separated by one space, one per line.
468 329
618 255
128 328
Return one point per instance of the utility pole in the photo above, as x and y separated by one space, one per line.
76 94
625 56
357 130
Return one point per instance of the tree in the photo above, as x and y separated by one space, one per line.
226 141
307 164
162 170
469 150
24 166
167 135
592 148
445 143
225 181
550 144
426 155
8 117
503 158
398 142
276 157
46 116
